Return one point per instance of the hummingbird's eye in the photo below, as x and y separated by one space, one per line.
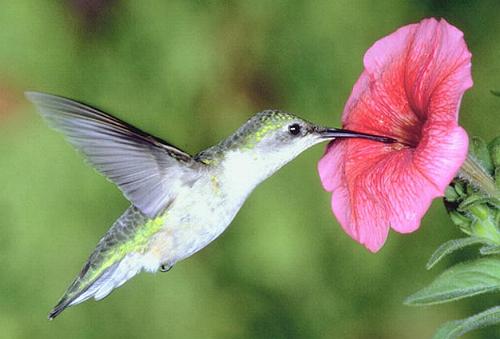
294 129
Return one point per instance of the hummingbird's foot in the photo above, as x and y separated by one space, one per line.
166 267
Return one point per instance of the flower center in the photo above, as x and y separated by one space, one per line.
409 132
397 146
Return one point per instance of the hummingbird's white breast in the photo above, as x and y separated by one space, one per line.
200 213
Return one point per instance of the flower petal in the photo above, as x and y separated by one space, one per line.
419 72
438 70
378 190
411 89
441 152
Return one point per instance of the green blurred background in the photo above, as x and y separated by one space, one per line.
191 72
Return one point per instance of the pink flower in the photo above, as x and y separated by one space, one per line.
410 90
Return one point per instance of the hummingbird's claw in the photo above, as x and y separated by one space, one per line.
166 267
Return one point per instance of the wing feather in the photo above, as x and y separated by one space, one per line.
147 169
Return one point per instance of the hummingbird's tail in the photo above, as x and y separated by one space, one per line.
80 291
121 254
113 277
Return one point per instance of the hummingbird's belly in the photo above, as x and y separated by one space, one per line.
196 218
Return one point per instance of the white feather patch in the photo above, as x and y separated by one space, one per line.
118 274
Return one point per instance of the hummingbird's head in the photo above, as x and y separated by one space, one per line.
272 138
274 131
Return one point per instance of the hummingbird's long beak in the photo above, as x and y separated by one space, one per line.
333 133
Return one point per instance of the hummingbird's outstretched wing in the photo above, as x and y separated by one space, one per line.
147 169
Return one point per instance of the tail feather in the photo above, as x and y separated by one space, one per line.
125 270
95 287
76 294
124 251
61 306
113 277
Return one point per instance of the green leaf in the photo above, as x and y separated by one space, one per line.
461 221
450 194
459 188
456 328
494 149
471 201
480 150
460 281
490 250
451 246
497 177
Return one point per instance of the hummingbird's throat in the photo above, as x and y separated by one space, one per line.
243 170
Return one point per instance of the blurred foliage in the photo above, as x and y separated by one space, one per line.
191 72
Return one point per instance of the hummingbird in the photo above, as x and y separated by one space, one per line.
179 203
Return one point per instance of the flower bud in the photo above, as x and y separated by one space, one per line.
472 200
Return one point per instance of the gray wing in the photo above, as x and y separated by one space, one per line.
147 170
